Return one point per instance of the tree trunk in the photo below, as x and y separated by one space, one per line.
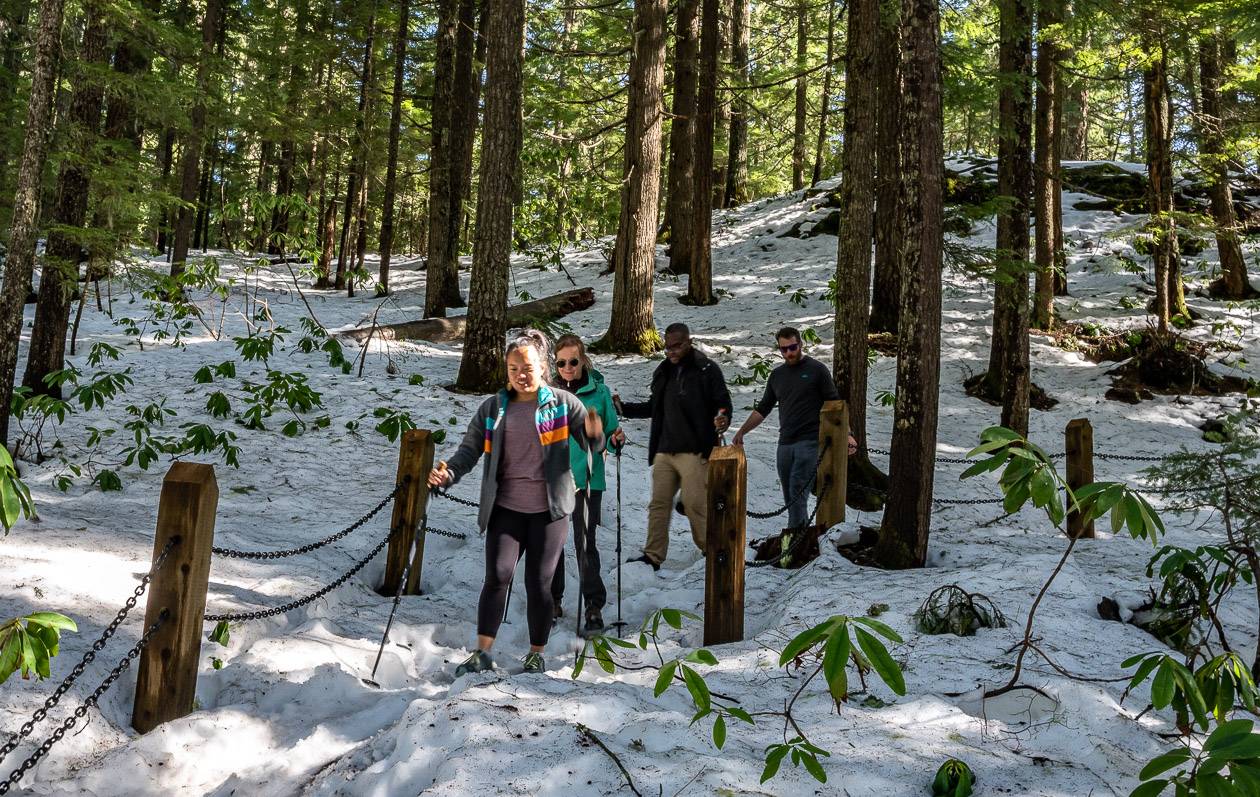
481 367
23 232
1159 182
201 223
802 86
1008 374
721 109
444 330
13 19
903 535
1075 137
161 218
194 140
358 160
1233 282
737 155
857 214
631 328
826 94
66 239
1046 177
469 60
886 296
700 281
328 223
442 274
395 133
679 213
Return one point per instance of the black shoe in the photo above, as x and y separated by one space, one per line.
644 558
556 613
680 509
594 622
534 663
479 661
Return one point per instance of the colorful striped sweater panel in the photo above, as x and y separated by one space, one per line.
551 419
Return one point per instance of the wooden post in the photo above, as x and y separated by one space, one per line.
833 466
724 546
167 681
1079 444
415 460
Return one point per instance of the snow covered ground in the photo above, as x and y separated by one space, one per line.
288 714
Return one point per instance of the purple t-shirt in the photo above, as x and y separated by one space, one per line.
522 486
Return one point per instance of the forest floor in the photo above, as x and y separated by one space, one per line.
288 713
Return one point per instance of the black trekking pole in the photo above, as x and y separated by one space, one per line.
402 585
619 624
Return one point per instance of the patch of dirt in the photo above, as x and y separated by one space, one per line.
981 387
1169 364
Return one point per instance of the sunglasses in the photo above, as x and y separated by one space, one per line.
573 363
791 347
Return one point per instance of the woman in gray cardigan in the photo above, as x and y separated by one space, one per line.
527 489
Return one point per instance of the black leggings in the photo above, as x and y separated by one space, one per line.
541 539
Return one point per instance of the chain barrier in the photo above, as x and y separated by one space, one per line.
455 535
79 713
42 712
262 614
234 554
801 537
800 493
1128 457
455 498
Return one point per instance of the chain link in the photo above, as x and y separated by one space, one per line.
81 712
455 498
1128 457
800 493
799 542
233 554
444 533
42 712
262 614
962 460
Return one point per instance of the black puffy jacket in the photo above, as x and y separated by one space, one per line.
704 393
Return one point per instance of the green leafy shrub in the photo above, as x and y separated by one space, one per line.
30 648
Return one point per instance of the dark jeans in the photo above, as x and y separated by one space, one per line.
541 539
586 518
797 464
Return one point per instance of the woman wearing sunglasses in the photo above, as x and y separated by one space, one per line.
575 374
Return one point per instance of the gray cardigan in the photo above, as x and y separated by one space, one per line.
559 417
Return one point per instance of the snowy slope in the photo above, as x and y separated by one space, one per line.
288 713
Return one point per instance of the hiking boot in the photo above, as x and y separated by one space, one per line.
644 558
479 661
680 509
594 622
534 662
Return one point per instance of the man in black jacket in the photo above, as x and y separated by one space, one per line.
689 407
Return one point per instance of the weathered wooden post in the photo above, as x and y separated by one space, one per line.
167 681
1079 444
724 547
415 460
833 465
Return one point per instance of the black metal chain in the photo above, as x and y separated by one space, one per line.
81 712
314 596
799 494
233 554
966 501
801 537
42 712
455 498
960 460
1129 457
444 533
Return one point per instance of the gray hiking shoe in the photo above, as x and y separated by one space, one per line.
534 662
479 661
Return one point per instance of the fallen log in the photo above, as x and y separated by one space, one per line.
442 330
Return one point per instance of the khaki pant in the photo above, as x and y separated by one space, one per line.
669 472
